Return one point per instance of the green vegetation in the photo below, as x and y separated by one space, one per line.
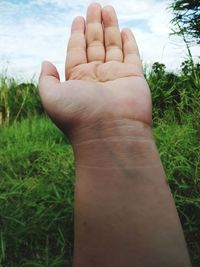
37 168
36 195
186 21
18 101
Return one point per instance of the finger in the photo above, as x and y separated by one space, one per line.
113 42
94 34
130 48
49 79
48 70
76 51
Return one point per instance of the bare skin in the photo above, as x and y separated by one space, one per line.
124 211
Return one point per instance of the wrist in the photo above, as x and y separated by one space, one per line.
115 144
99 130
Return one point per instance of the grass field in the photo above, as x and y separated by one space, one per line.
37 168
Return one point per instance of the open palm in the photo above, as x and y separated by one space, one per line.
104 77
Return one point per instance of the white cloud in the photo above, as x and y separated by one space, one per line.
34 30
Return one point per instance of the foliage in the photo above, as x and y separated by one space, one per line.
180 93
36 195
186 19
179 149
18 101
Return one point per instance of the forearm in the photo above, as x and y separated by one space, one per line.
124 211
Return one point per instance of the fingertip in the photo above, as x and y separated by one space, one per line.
127 33
42 70
81 18
78 24
108 8
95 5
109 16
94 13
48 69
78 20
126 29
44 64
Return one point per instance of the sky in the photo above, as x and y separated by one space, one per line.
35 30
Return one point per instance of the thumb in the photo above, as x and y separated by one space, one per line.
49 70
49 79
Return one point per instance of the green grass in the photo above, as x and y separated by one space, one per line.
37 168
179 149
36 195
18 100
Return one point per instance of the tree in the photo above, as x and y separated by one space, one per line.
186 19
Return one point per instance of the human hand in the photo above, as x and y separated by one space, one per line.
104 76
104 108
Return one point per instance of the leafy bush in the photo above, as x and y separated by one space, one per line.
180 93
